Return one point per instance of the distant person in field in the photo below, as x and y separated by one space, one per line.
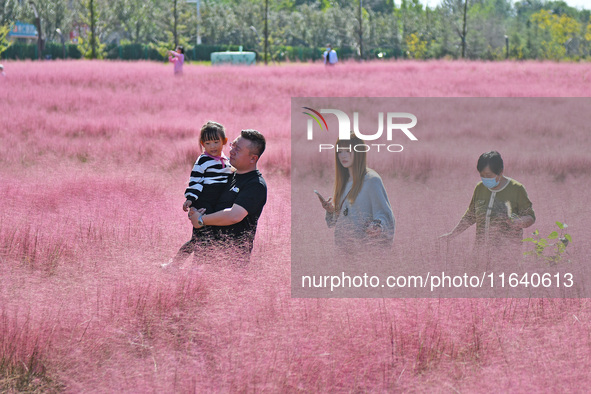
178 58
359 210
500 206
208 179
330 56
232 225
2 73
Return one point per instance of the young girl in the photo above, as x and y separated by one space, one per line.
208 178
178 58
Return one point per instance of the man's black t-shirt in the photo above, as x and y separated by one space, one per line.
250 192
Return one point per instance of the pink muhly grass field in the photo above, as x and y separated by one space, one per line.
94 159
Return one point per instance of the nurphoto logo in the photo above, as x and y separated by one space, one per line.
395 122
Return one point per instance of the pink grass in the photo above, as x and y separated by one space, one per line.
94 157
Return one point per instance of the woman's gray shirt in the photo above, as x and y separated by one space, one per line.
371 204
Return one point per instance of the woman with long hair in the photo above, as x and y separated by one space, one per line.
359 210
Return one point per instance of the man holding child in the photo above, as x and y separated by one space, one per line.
233 221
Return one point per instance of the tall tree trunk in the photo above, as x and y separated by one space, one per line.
266 29
174 32
92 30
464 29
361 29
39 31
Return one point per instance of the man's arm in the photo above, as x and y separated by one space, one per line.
226 217
250 199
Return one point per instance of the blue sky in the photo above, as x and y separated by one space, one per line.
573 3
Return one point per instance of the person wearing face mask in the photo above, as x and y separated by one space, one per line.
330 56
500 206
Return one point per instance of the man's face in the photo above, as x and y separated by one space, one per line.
240 156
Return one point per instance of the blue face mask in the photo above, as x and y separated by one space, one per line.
490 182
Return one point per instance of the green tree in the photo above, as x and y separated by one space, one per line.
10 11
588 33
413 28
90 14
557 32
54 14
452 15
4 43
174 23
382 34
416 47
136 19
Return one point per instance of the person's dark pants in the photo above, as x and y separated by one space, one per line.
189 247
223 250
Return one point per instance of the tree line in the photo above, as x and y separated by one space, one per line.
473 29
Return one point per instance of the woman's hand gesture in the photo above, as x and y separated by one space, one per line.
327 204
